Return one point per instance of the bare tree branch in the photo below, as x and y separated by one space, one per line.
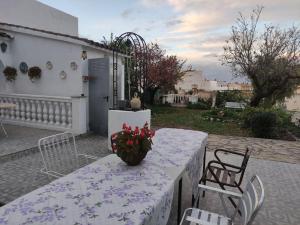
269 60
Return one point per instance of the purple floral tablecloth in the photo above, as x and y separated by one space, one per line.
111 193
180 148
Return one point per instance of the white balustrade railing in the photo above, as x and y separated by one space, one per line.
39 111
177 98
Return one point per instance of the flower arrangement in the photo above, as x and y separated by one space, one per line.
34 73
132 145
10 73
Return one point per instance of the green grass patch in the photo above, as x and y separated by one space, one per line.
165 116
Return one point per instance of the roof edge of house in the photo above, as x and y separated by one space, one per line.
84 41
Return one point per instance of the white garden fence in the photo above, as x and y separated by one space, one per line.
48 112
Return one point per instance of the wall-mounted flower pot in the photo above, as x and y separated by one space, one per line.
3 47
73 66
49 65
10 73
23 67
34 73
86 78
63 75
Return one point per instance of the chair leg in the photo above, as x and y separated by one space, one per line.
241 190
204 182
230 199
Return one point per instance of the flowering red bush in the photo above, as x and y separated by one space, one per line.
132 144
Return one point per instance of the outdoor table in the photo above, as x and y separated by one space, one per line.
5 106
108 192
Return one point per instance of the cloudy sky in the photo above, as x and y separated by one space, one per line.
194 30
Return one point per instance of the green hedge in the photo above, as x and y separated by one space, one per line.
224 114
201 104
229 96
266 122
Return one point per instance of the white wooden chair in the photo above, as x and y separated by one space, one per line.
249 204
59 154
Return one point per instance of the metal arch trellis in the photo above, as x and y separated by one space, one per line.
135 48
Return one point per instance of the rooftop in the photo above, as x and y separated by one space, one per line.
7 26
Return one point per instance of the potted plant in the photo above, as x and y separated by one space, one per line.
131 145
10 73
135 102
34 73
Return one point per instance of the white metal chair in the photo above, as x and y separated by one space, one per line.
249 204
59 154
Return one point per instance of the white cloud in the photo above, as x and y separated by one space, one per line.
205 24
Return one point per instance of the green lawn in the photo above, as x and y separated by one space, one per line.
164 116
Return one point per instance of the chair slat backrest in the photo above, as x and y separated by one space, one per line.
244 164
59 152
246 158
251 201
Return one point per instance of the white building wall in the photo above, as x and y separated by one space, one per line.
293 103
5 59
92 54
32 13
36 51
189 79
196 78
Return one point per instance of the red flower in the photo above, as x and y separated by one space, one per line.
114 147
124 126
129 142
136 131
114 136
127 131
152 133
142 134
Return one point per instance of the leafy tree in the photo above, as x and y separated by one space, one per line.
111 43
229 96
164 71
108 42
270 60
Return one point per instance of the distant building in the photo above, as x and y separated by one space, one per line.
293 103
195 80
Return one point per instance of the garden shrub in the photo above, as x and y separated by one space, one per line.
248 114
229 96
283 117
201 104
223 114
264 124
234 114
198 105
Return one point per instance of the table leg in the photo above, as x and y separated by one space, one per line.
179 201
203 172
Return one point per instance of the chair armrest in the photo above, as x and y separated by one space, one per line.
224 165
221 191
226 151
